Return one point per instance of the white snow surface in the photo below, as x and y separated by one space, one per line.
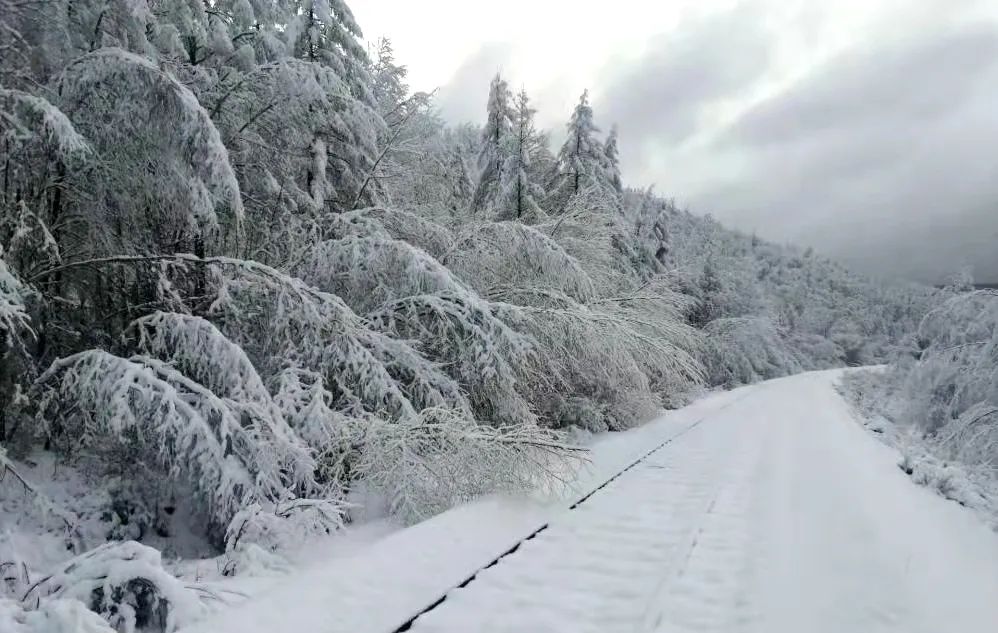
771 510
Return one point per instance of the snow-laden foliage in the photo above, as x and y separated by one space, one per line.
186 193
25 117
14 320
592 229
951 389
741 351
495 147
94 397
423 463
279 319
494 256
408 294
302 143
398 224
124 583
519 193
601 366
308 407
195 347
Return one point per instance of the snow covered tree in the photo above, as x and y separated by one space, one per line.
325 32
518 193
186 196
741 351
496 137
390 90
581 158
612 157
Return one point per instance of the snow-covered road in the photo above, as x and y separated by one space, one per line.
775 513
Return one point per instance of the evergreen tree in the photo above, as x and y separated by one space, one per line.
519 193
495 144
325 32
612 160
580 161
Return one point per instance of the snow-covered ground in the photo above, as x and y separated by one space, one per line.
771 510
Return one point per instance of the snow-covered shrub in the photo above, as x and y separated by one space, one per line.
94 397
55 615
125 584
283 526
942 399
427 463
955 378
745 350
815 351
249 559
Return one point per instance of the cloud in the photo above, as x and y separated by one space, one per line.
663 96
464 97
884 156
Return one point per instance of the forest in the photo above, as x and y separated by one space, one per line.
253 289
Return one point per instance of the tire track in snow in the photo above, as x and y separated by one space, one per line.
704 587
606 557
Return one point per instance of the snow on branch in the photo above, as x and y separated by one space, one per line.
25 117
196 348
484 354
743 350
495 254
277 318
409 295
439 457
598 362
369 271
403 225
14 320
135 114
94 397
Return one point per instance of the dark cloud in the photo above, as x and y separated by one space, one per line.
661 97
884 157
901 85
464 97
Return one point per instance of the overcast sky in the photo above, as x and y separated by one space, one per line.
865 128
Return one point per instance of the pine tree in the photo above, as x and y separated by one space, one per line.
495 144
612 160
390 88
580 161
325 32
518 197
